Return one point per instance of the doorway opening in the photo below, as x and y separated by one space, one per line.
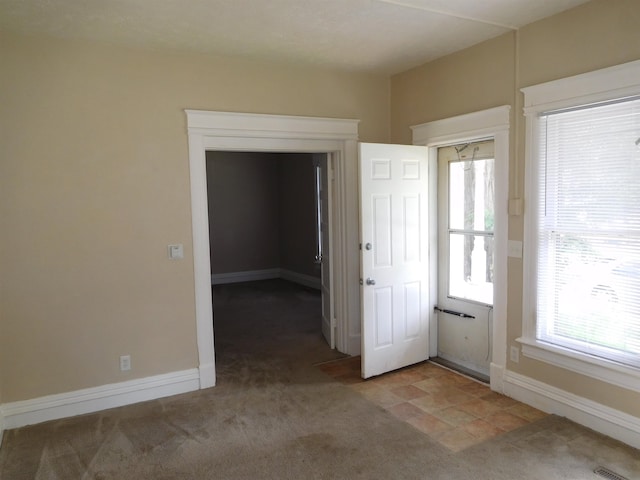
493 123
269 224
227 131
466 252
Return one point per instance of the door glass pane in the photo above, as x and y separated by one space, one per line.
471 195
471 267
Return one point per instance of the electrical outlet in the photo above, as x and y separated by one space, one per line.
125 363
515 354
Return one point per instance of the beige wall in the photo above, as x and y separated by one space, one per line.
244 211
599 34
94 184
474 79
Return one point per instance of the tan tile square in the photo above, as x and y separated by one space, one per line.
501 400
408 392
479 407
430 370
460 380
364 386
452 396
525 411
482 429
382 397
506 421
429 424
405 411
411 376
447 380
390 379
431 385
457 439
454 416
476 389
427 403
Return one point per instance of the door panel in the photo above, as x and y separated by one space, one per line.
466 252
394 257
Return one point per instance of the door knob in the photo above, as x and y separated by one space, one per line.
370 281
368 246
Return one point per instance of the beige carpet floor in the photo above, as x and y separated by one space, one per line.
275 415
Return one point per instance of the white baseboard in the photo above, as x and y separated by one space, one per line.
268 274
248 276
598 417
79 402
301 279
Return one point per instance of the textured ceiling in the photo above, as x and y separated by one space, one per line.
383 36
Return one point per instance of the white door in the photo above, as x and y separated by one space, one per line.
323 179
466 252
394 257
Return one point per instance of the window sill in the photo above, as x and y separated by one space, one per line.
597 368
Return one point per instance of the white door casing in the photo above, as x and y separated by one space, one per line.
495 123
227 131
325 163
394 256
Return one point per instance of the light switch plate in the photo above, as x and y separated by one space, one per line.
515 249
515 206
176 251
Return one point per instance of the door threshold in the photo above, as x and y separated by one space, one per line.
480 377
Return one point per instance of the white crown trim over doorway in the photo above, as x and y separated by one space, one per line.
226 131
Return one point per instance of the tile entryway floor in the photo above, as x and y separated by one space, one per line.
453 409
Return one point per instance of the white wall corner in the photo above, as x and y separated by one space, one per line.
496 376
1 425
79 402
207 373
598 417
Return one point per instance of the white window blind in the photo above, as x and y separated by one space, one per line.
588 263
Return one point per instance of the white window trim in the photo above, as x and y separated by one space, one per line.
493 122
601 85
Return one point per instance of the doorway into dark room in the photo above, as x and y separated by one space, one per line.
270 255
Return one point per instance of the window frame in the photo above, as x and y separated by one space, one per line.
598 86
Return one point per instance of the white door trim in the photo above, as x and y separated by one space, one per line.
494 122
276 133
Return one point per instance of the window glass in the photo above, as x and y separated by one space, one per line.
470 214
589 230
